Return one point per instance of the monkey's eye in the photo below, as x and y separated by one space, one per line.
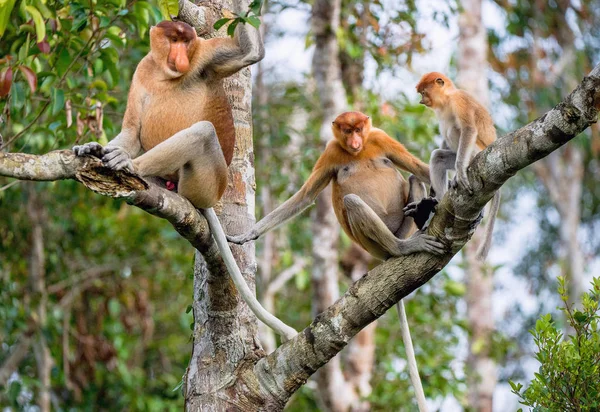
348 131
358 130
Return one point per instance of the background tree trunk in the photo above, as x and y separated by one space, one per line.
336 393
481 367
38 298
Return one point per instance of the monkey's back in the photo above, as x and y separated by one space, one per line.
486 132
171 106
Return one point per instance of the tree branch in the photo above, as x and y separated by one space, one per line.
63 164
287 368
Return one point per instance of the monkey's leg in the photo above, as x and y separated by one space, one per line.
441 161
196 153
375 237
416 193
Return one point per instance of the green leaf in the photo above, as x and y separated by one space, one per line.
189 309
58 100
169 8
256 6
63 62
38 20
221 22
232 26
580 317
14 391
254 21
6 8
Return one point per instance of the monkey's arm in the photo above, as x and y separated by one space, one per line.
118 152
318 180
405 160
231 55
127 145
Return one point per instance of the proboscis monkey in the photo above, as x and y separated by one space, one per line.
369 195
178 124
467 129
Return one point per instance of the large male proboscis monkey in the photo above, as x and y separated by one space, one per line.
369 195
179 119
467 128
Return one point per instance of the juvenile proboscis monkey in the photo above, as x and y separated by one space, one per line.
369 195
467 128
178 125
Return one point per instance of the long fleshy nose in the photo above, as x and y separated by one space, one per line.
422 102
179 51
355 143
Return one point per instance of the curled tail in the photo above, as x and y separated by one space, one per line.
410 357
261 313
484 248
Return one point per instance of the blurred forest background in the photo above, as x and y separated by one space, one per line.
95 295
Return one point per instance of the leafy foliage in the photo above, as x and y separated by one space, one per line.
569 374
251 17
117 281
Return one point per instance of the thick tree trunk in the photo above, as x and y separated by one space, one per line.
225 330
481 368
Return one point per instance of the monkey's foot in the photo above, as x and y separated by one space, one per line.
92 148
421 210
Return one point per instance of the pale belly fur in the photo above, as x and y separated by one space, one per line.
384 189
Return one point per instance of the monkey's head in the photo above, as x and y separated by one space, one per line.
433 87
173 44
351 130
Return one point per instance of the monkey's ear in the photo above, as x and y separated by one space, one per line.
439 81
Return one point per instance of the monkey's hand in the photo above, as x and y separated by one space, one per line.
243 238
421 210
461 179
93 149
420 242
117 159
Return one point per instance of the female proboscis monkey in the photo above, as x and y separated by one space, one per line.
369 195
467 128
178 125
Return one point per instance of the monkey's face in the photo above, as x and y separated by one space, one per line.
351 130
352 136
426 98
432 87
173 44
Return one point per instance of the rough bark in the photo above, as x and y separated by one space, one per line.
268 382
225 331
481 367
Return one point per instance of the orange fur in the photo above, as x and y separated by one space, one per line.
372 171
456 106
467 128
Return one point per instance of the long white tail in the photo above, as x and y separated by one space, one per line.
413 370
484 248
261 313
